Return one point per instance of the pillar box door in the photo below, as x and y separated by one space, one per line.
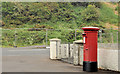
90 48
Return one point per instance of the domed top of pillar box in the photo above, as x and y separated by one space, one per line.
78 42
55 39
91 28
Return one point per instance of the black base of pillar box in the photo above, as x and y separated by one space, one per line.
90 66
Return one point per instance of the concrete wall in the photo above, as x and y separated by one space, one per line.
64 51
0 60
108 56
81 55
71 50
110 46
75 55
70 53
108 59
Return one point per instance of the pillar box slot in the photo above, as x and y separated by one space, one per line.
90 48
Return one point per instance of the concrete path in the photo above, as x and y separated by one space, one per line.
34 60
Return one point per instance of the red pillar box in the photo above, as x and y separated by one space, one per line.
90 48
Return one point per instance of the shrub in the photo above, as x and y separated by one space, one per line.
90 13
85 4
116 8
97 4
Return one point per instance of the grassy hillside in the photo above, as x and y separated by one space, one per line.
53 15
19 15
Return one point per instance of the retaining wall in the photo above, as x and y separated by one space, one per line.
107 55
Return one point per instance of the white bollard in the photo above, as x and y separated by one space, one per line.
81 55
77 51
55 48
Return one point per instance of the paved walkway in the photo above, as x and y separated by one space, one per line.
35 60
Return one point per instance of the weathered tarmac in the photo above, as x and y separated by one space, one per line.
35 60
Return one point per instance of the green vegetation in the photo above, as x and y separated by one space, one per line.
52 15
22 37
90 13
25 14
25 37
110 36
107 15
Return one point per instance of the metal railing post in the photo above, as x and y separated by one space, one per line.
46 37
15 39
75 34
117 37
112 37
100 37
